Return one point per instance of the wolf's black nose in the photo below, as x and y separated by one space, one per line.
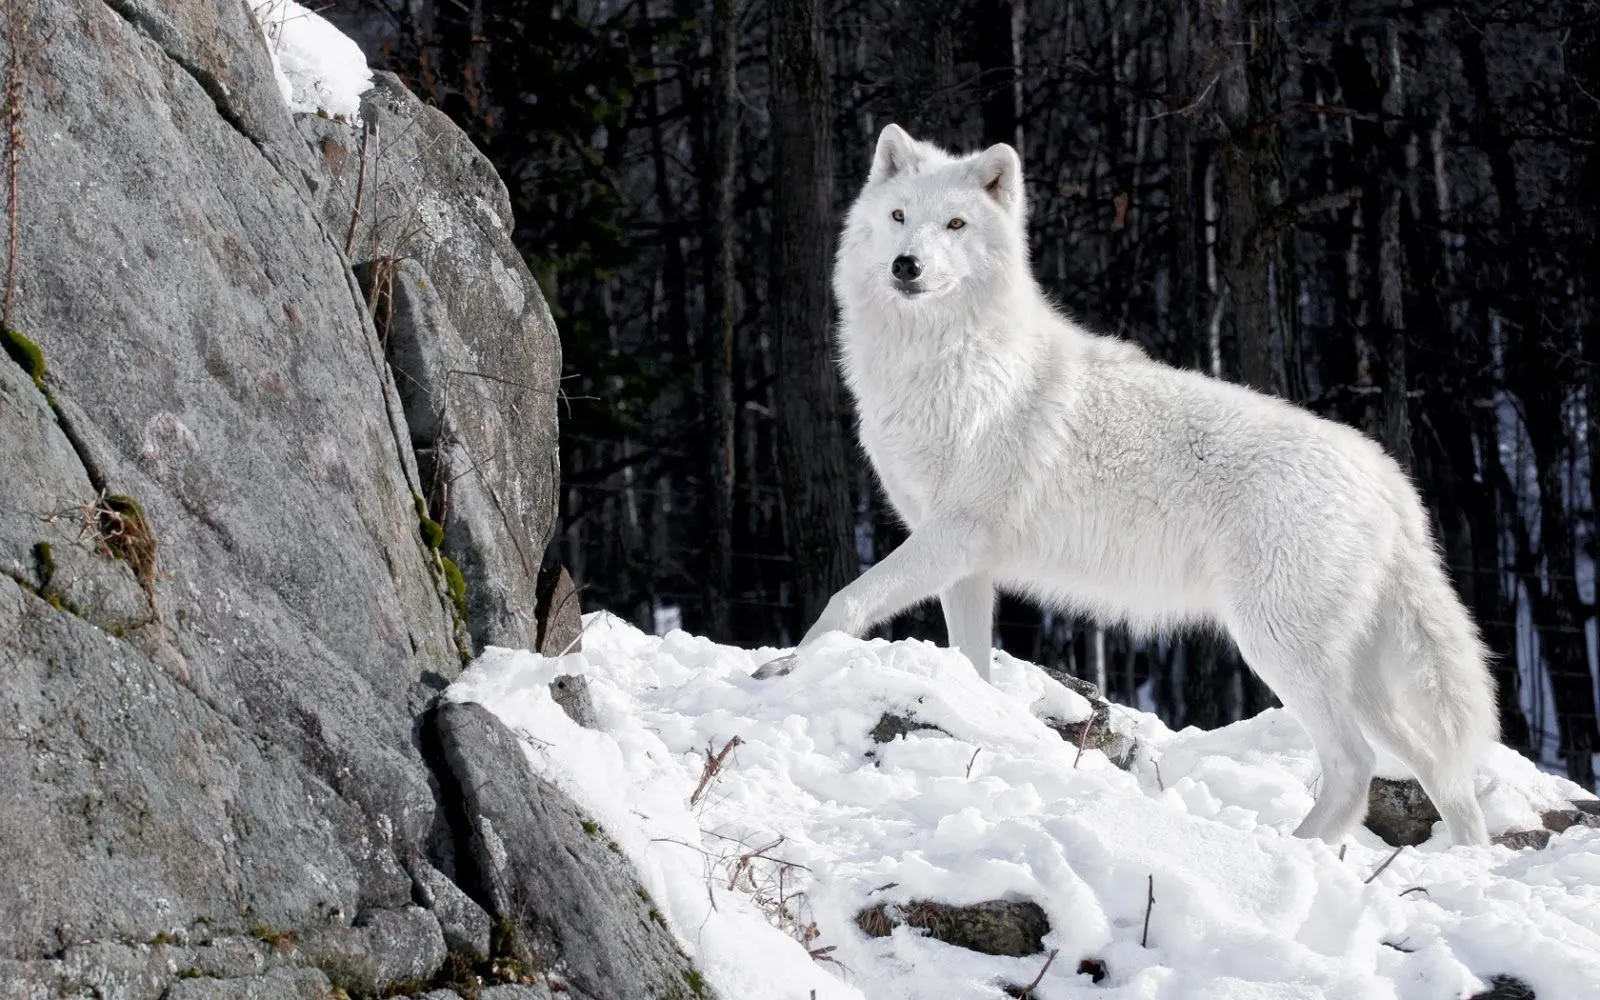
906 268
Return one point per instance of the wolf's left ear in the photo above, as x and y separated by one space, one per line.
896 154
999 170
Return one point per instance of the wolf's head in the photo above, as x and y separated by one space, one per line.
929 224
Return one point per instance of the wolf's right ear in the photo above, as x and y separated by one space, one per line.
896 154
999 170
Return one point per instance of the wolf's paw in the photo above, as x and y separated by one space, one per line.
781 667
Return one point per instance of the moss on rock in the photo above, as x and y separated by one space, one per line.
25 353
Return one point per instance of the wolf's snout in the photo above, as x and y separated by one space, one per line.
906 268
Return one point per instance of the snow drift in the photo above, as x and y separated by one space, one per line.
808 822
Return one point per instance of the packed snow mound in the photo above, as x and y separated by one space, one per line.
319 68
808 822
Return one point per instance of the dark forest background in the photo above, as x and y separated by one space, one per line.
1384 210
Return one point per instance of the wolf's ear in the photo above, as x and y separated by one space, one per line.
897 153
999 170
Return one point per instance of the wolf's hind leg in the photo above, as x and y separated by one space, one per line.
1445 773
1312 680
1347 762
969 618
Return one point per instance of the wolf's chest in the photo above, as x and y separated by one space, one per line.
925 442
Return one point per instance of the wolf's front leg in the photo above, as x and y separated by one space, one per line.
935 556
969 618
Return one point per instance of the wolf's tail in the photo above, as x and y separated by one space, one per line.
1440 714
1452 694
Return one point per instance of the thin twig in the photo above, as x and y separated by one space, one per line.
973 760
1330 111
1159 783
1027 991
1385 864
713 767
1083 739
584 627
1188 109
361 190
681 843
514 383
1149 904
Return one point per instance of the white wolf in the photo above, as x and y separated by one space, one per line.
1027 454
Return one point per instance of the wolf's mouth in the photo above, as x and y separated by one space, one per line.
918 289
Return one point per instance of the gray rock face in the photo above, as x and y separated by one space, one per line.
1400 812
1098 731
532 859
571 692
221 616
240 751
542 992
466 925
995 927
1583 812
560 613
469 336
382 951
279 984
1505 988
893 725
1519 839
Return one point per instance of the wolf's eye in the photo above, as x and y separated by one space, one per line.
897 215
957 223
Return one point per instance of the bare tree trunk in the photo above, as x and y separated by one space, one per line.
1258 251
943 119
819 520
1557 604
1186 218
1202 686
1582 55
1491 606
717 354
1000 25
1390 267
1541 369
1465 501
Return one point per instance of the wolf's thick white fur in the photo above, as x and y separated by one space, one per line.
1027 454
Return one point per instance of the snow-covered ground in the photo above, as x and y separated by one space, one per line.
993 807
319 68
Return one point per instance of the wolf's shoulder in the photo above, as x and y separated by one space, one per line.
1093 348
1115 350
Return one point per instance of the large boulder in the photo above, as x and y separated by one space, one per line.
223 612
472 343
242 752
534 858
